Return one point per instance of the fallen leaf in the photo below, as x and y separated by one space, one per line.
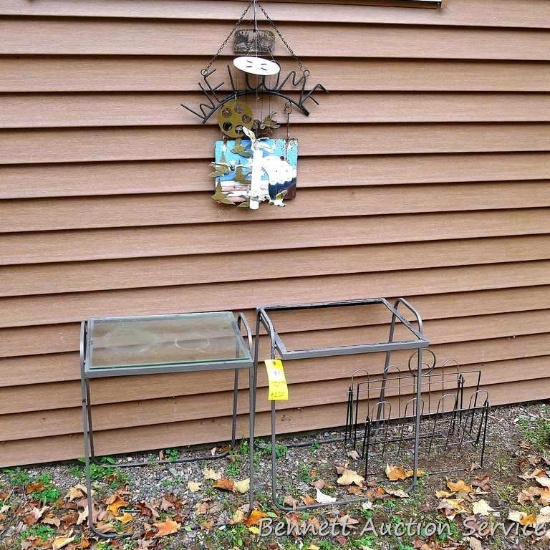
410 473
544 496
211 474
254 518
443 494
318 484
35 487
322 498
459 486
482 483
537 472
354 454
350 477
354 490
148 510
193 486
308 500
514 515
450 507
207 524
528 495
61 542
105 528
241 487
125 518
224 484
313 547
290 501
115 503
237 517
395 473
544 481
340 468
35 515
165 504
202 508
528 520
543 518
397 493
482 507
76 493
475 544
82 517
165 528
51 520
347 520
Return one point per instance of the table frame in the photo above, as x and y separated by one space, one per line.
121 371
278 349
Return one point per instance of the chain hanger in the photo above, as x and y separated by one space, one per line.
255 4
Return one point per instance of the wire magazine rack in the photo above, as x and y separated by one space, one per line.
382 411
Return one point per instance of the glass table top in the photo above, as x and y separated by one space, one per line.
189 338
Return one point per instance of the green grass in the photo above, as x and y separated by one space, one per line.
536 431
43 532
18 477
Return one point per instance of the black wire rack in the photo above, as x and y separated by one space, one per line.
382 410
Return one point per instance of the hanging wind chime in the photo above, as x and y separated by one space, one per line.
250 165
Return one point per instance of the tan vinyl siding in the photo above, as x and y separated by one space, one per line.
423 173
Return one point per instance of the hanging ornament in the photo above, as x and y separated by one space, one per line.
233 117
250 165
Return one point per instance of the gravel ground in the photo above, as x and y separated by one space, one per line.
301 470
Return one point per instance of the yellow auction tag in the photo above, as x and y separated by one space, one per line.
278 390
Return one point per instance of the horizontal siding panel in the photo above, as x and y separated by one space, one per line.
103 37
175 209
146 391
64 367
180 74
66 180
41 310
98 244
104 275
153 109
490 13
68 145
60 338
116 415
38 340
206 431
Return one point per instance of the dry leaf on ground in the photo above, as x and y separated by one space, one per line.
211 474
322 498
254 518
482 507
114 504
224 484
61 542
168 527
193 486
350 477
395 473
242 486
290 501
397 493
460 485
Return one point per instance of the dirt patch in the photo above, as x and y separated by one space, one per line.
203 504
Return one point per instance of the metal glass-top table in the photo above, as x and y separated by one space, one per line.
160 344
